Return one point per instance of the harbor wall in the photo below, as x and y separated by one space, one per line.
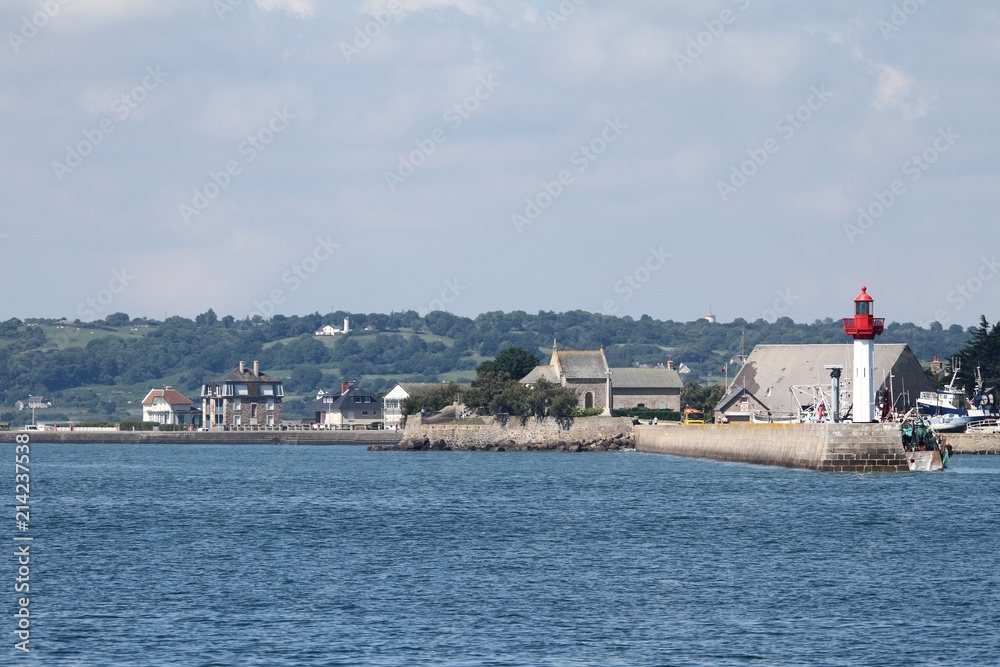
972 443
325 437
585 434
826 446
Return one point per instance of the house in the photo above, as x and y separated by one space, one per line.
242 398
584 370
776 380
330 330
351 408
652 388
392 403
169 406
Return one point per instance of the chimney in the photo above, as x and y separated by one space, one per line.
256 368
670 364
243 366
345 385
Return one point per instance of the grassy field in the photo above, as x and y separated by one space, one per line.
62 337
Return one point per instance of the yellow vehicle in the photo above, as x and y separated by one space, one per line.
692 416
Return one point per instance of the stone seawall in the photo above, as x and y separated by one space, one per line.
585 434
828 447
972 443
208 438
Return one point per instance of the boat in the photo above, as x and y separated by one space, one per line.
949 411
987 425
924 451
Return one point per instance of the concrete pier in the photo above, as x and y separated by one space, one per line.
830 447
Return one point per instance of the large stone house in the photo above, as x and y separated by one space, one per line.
169 406
242 398
778 380
350 408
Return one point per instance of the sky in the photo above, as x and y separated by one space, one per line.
756 159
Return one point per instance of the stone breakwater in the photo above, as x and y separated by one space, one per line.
207 438
827 447
972 443
588 434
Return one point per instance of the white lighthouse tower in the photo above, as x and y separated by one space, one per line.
863 327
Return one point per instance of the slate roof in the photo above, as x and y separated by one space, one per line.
641 378
771 370
335 403
246 377
583 364
539 372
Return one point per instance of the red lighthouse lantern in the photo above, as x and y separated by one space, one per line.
863 327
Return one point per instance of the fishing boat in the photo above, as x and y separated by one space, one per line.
949 411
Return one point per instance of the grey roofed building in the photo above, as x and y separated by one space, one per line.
653 388
772 370
583 370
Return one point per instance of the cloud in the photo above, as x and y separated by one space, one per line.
467 7
300 9
897 92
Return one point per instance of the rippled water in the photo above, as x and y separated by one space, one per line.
338 556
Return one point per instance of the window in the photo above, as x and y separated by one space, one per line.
270 404
237 404
242 390
253 410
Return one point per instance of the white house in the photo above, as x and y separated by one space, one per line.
168 406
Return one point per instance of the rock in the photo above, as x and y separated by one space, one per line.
574 447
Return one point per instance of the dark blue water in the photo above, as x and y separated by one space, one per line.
339 556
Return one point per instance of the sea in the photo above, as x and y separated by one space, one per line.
296 555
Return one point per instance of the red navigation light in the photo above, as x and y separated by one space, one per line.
863 325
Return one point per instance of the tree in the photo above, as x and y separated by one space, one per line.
305 379
693 395
515 362
432 400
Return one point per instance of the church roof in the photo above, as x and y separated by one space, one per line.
582 364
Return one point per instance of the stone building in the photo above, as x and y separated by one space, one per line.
242 398
584 370
600 386
652 388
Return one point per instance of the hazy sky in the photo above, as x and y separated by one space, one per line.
768 158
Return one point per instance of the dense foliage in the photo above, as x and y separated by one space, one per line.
982 352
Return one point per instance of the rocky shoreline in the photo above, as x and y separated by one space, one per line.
620 442
592 434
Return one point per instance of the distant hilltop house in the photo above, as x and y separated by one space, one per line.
600 386
38 402
350 408
330 330
392 402
776 379
169 406
242 398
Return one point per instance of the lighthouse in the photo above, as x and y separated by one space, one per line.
863 327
